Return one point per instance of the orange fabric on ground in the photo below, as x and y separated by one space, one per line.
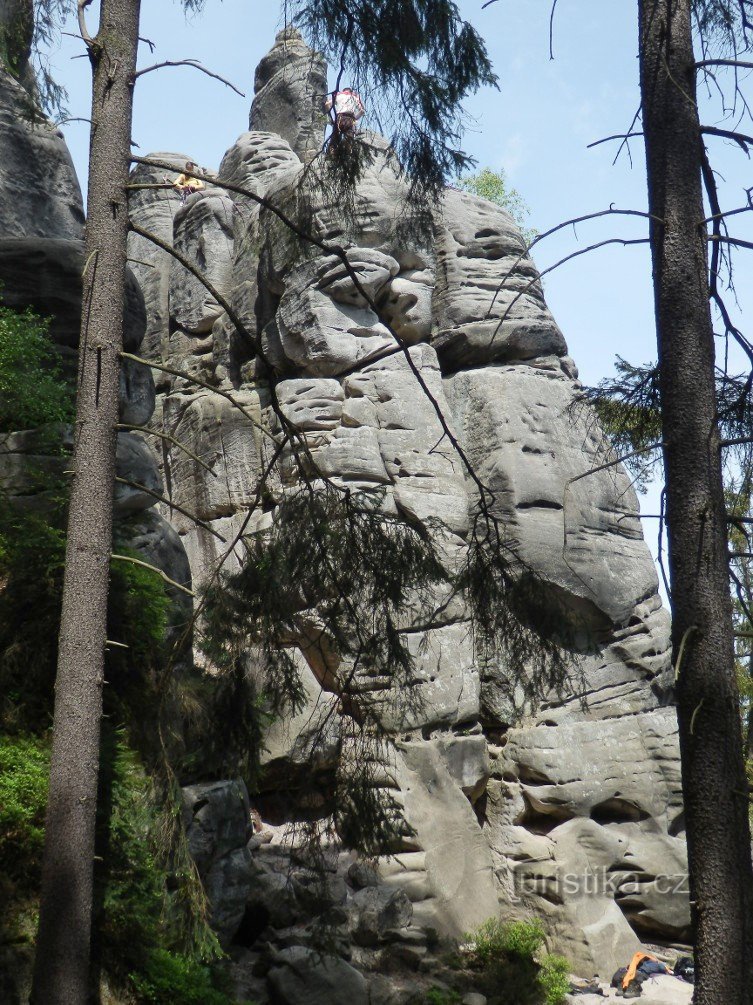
633 968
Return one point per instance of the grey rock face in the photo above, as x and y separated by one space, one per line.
202 233
217 821
301 975
510 807
476 318
376 910
533 446
45 274
154 211
289 91
39 191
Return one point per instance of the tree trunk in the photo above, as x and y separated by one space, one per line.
61 975
714 784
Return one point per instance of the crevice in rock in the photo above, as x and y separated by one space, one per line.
539 504
255 919
618 811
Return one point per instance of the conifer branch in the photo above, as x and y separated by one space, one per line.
200 383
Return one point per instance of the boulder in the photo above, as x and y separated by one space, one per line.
218 823
375 910
135 463
303 975
217 818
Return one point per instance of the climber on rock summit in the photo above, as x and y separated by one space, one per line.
187 183
348 110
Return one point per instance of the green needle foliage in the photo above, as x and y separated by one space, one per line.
32 390
628 407
414 63
338 578
24 772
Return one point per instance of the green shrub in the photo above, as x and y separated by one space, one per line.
439 996
32 560
24 771
172 979
33 391
554 978
495 940
494 186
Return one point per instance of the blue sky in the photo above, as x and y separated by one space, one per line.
537 127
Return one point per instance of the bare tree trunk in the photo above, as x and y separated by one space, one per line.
714 784
61 975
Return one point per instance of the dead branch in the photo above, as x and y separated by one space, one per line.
201 383
561 226
742 139
171 439
196 66
146 565
171 504
734 242
575 254
608 139
81 12
617 460
738 63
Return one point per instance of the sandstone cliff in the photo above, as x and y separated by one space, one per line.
513 809
571 810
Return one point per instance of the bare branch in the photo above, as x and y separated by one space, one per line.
81 11
575 254
729 212
735 242
201 383
171 504
617 460
146 565
171 439
740 64
196 66
608 139
551 29
741 139
560 226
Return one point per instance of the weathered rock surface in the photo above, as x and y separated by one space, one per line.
533 446
301 974
488 301
512 809
39 191
45 274
216 817
289 91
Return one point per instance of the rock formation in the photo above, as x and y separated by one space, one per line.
571 811
41 261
